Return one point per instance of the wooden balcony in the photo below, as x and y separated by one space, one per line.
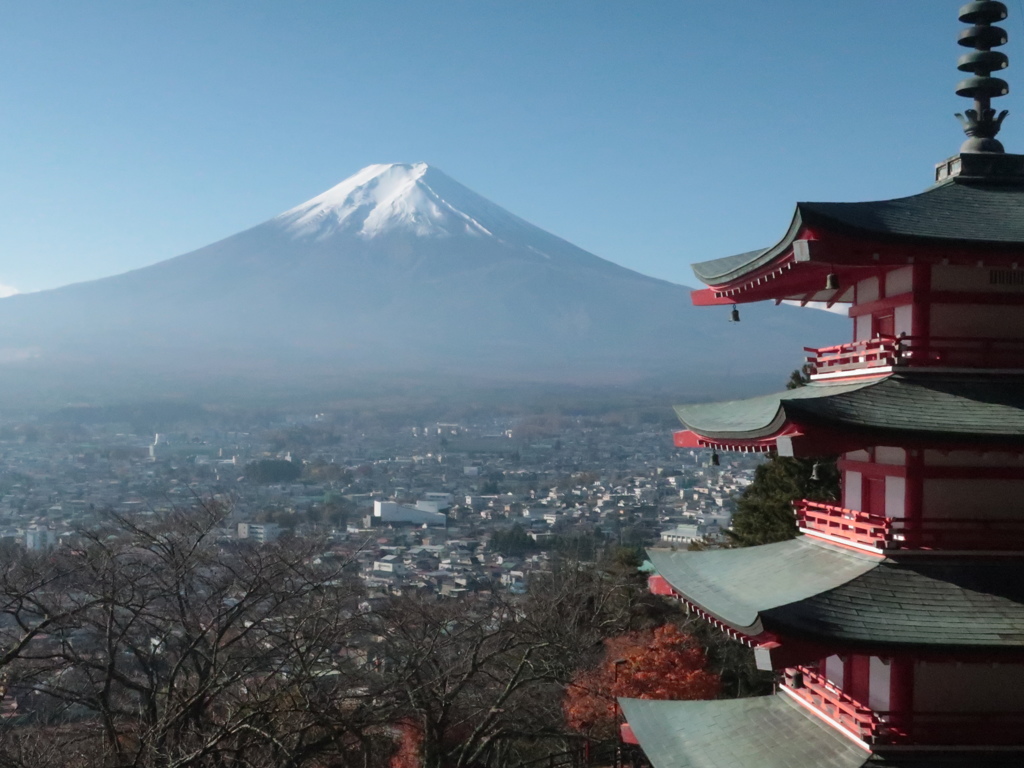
817 691
861 529
904 728
868 531
884 353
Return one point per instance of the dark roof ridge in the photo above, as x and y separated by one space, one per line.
969 210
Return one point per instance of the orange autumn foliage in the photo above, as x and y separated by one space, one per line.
664 663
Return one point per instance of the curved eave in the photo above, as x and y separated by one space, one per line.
918 409
952 223
763 418
735 586
725 270
760 732
820 594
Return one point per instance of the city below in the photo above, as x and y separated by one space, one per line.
442 508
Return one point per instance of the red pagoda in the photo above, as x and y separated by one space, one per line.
895 622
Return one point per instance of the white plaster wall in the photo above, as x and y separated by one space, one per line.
852 483
834 670
903 320
895 496
899 281
885 454
862 327
867 290
878 690
968 687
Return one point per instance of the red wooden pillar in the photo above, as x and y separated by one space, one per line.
857 677
921 309
901 690
913 501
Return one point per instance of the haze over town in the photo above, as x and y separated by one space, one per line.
339 345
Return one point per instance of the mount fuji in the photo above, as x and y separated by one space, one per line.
398 271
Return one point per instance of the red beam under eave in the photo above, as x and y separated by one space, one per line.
776 655
705 297
689 439
815 252
659 586
837 250
626 734
796 440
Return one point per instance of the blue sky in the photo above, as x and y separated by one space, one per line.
654 133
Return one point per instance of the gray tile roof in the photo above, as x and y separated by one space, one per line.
972 408
960 212
773 732
954 604
718 271
761 415
736 585
809 589
762 732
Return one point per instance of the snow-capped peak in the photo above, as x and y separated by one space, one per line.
382 199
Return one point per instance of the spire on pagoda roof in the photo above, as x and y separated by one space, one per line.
981 124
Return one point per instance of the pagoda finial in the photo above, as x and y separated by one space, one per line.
981 124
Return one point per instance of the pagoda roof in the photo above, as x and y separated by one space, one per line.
812 590
967 408
772 732
961 212
736 585
759 732
955 603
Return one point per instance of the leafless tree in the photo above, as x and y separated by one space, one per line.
153 646
480 680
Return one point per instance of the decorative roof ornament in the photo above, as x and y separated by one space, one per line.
981 124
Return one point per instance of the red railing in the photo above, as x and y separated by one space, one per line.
839 707
904 728
847 524
917 351
879 532
869 353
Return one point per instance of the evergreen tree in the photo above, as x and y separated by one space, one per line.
513 542
764 512
272 471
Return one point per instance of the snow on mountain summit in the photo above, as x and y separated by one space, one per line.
384 199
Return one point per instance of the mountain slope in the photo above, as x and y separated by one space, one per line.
398 270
